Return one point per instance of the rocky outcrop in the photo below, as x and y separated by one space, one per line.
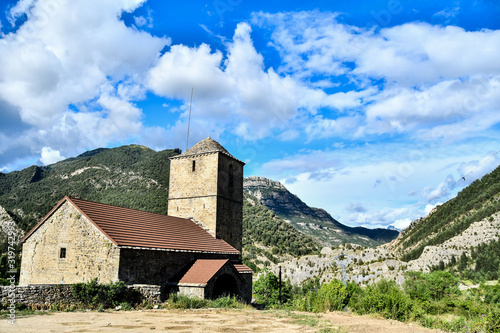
363 266
484 231
315 222
7 225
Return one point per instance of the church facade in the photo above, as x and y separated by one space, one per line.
194 250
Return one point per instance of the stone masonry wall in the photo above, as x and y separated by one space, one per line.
212 193
160 267
89 254
230 201
55 294
193 194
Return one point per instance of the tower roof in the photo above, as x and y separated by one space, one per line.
206 146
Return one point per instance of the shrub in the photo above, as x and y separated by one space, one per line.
107 295
266 289
433 286
333 296
386 298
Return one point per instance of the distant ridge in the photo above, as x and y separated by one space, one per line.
312 221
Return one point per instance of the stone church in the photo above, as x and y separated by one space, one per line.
194 250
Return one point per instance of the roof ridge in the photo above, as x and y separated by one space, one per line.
181 234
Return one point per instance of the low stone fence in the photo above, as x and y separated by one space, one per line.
62 293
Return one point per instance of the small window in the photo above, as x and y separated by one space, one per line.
62 253
194 166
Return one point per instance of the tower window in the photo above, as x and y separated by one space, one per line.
62 253
194 166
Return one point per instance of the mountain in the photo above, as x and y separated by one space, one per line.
462 235
131 176
134 177
312 221
480 200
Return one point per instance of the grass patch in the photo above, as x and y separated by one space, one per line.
176 301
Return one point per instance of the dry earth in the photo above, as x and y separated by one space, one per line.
206 320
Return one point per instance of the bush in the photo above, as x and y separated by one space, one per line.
433 286
333 296
266 289
386 298
105 295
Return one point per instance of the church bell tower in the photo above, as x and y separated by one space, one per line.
206 185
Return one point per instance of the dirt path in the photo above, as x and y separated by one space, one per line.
206 320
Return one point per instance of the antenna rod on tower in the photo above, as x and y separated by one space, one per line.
189 121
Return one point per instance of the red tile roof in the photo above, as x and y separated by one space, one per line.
134 228
243 268
203 270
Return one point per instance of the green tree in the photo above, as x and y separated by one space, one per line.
462 265
266 289
334 296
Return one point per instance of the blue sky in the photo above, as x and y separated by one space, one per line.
372 110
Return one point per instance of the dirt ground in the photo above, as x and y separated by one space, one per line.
206 320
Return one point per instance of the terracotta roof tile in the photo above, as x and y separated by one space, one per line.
243 268
135 228
203 270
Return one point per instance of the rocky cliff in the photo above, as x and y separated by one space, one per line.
312 221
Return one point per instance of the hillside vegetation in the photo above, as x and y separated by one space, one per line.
129 176
269 239
312 221
478 201
134 177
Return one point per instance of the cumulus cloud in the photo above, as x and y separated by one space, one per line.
239 94
432 80
50 156
70 74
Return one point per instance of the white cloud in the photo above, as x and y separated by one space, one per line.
236 93
434 80
71 74
430 207
52 69
50 156
21 7
448 12
468 106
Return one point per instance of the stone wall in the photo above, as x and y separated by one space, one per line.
230 201
88 253
193 190
62 293
211 192
160 267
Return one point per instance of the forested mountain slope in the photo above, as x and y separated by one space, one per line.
134 177
478 201
312 221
